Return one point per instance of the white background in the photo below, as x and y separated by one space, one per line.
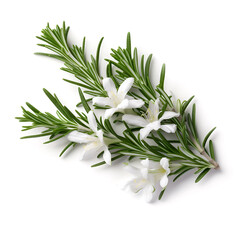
46 197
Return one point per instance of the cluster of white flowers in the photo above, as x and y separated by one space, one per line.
118 101
148 177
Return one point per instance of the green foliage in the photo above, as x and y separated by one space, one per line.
184 151
162 77
86 72
128 66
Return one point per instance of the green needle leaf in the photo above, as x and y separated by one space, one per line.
83 100
202 174
180 174
211 149
185 104
207 136
129 44
98 53
162 77
147 66
66 148
161 194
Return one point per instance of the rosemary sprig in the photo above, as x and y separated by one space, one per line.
127 144
185 151
86 72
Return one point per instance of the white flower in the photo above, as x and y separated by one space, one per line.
151 122
159 170
93 143
142 182
150 174
117 99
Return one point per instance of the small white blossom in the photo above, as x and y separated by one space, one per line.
151 121
159 170
92 143
142 182
148 176
117 100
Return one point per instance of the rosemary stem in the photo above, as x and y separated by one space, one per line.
203 152
212 161
199 147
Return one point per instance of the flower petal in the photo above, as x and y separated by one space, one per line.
151 126
153 110
79 137
153 165
92 121
155 125
102 101
168 115
124 104
99 134
109 86
151 106
169 128
145 163
137 184
144 173
125 87
144 132
133 170
107 156
109 112
134 120
91 150
135 103
148 192
164 181
165 164
127 104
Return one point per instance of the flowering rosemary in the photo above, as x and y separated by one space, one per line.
157 132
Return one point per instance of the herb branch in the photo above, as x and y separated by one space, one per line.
146 113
